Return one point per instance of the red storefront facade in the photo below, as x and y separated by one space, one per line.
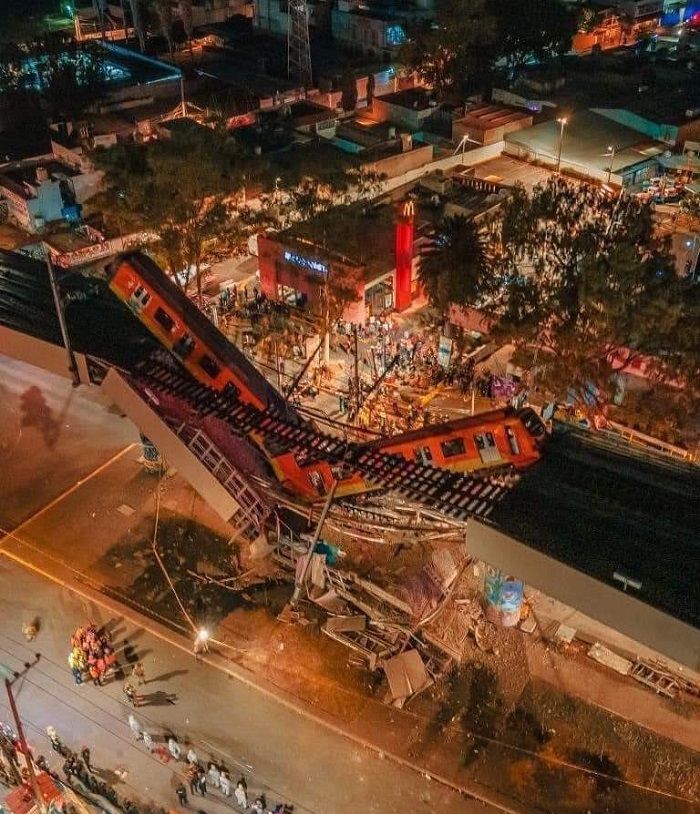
292 269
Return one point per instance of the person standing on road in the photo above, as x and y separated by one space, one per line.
139 673
130 693
56 744
174 748
181 792
241 793
85 755
225 783
135 726
202 782
192 758
214 775
192 779
148 741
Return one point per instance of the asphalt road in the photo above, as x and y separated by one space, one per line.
279 752
51 437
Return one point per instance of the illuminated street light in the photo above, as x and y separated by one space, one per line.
611 155
201 641
563 121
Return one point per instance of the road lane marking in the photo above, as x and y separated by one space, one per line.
11 535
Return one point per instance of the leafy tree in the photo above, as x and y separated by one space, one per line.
533 28
456 47
180 188
585 278
581 283
454 268
690 206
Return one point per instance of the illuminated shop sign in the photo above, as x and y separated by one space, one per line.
306 263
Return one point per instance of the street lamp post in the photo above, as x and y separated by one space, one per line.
466 139
611 155
60 313
562 124
41 805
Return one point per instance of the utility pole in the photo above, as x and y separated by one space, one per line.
183 104
277 367
58 302
300 579
611 155
20 734
562 125
357 371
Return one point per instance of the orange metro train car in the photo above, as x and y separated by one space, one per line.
496 440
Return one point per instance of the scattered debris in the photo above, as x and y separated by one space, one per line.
126 510
564 634
606 657
343 624
406 675
659 681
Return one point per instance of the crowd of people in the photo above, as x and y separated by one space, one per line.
91 656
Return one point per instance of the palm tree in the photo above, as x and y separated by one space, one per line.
454 268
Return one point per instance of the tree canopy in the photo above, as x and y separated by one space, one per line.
457 46
178 187
469 38
582 281
453 269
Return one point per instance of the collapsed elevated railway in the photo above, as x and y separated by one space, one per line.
426 466
590 507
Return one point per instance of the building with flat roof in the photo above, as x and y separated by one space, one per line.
44 190
375 245
591 146
489 123
660 99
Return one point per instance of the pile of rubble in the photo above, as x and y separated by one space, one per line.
413 638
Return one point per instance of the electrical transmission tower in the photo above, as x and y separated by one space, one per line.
298 46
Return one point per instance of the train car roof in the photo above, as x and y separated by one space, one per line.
203 327
457 424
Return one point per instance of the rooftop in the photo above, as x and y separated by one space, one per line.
24 179
486 116
412 98
661 91
337 233
586 142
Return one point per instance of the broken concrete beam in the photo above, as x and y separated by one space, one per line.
340 624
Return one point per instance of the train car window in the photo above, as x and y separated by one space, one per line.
184 346
163 319
140 297
512 441
422 455
316 479
209 366
231 391
452 447
486 445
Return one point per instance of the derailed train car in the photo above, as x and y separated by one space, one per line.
494 441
